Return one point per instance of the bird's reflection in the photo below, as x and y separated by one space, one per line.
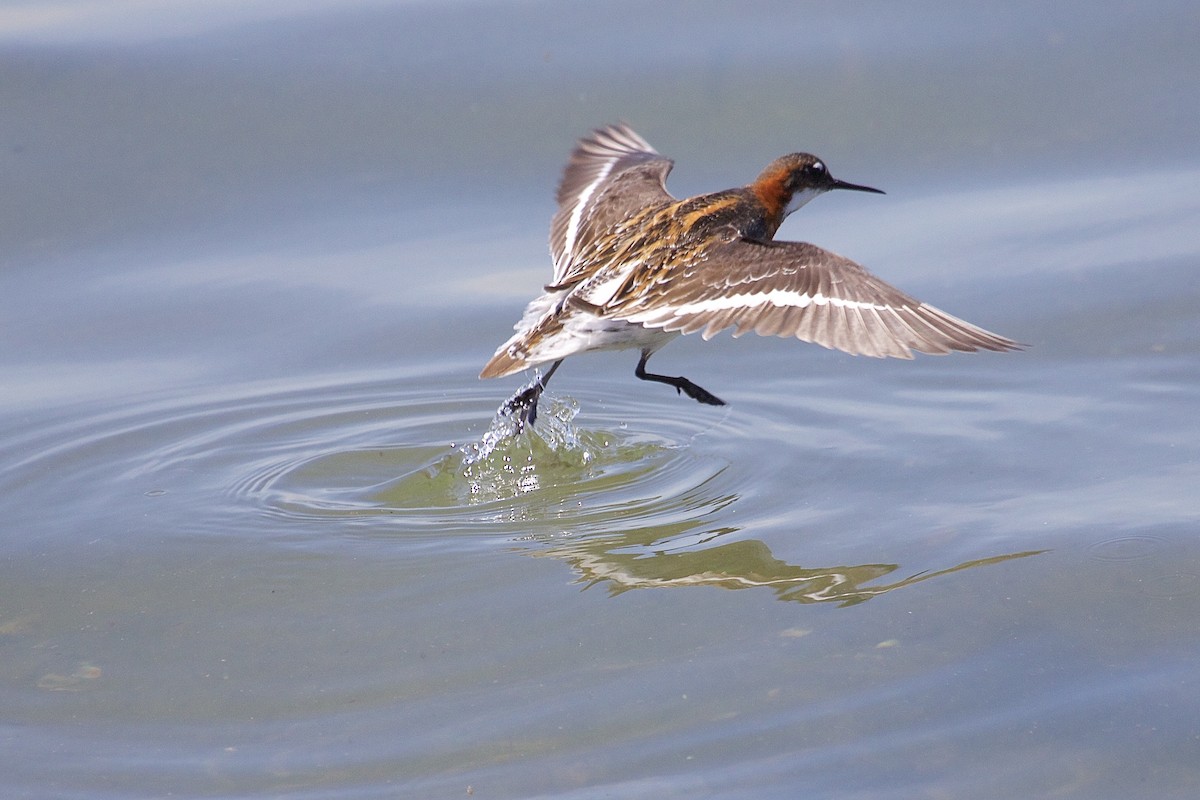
630 561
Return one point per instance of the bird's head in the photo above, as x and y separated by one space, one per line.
791 181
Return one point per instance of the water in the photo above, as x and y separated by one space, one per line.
258 542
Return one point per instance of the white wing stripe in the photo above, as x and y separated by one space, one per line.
577 214
775 297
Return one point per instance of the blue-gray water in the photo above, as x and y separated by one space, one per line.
253 255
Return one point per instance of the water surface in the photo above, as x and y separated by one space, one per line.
254 258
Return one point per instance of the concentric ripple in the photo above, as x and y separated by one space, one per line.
339 456
536 483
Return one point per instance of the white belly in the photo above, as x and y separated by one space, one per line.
578 331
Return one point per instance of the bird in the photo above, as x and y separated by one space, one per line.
634 267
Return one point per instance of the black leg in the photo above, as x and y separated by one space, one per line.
525 402
681 384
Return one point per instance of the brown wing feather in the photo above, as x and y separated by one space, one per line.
798 289
611 174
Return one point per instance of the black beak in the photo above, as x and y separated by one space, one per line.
853 187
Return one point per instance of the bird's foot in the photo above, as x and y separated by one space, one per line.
522 406
682 385
698 393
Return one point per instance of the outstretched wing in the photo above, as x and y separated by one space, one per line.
798 289
611 174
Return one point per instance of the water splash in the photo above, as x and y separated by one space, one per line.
512 459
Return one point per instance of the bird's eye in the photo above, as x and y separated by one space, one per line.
817 168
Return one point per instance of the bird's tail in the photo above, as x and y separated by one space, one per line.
505 362
537 340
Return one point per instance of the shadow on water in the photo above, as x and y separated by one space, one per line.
745 564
